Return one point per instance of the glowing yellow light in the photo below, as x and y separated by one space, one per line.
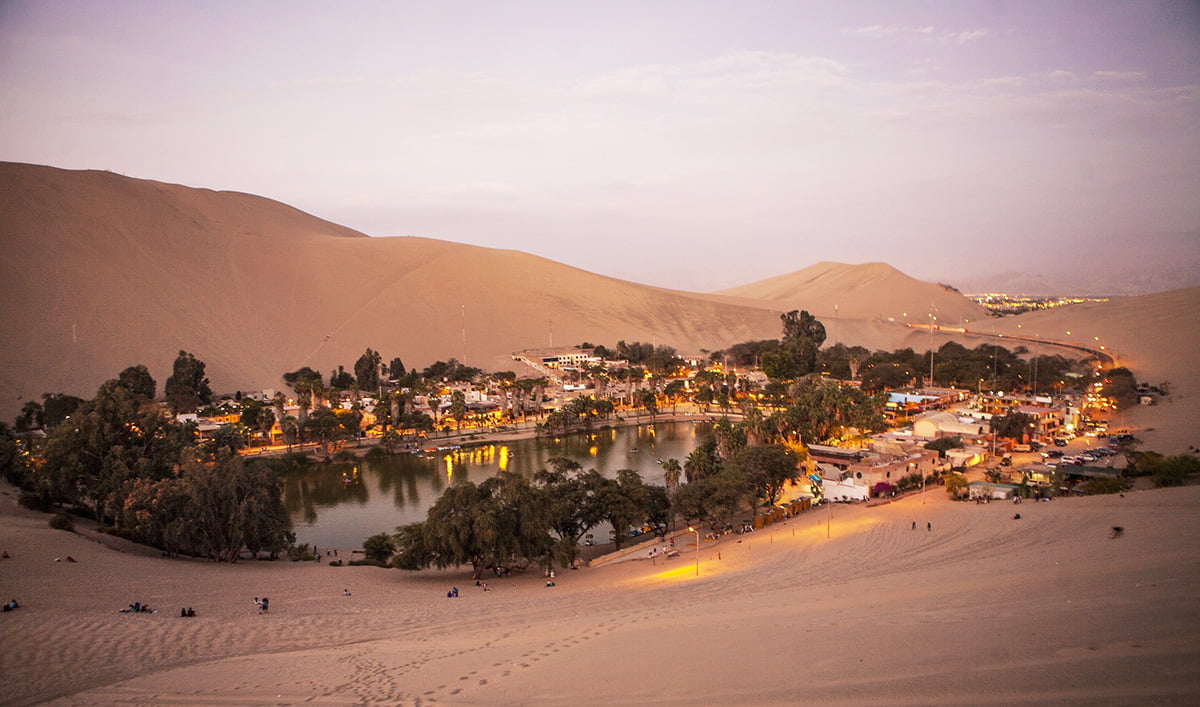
676 573
449 465
504 458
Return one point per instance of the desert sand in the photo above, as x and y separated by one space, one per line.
103 271
980 609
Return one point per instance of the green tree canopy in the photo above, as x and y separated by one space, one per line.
1014 425
767 469
366 370
109 440
187 387
499 523
572 503
137 380
713 500
623 502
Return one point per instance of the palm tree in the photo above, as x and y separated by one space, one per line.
277 403
671 471
289 426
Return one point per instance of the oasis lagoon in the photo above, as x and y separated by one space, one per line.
338 505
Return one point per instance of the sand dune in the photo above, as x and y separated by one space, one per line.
982 609
102 271
1157 336
867 291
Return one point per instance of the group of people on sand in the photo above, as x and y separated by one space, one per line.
263 604
138 607
928 526
12 604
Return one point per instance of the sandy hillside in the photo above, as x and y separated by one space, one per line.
103 271
981 609
867 291
1156 336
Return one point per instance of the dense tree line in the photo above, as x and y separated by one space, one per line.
656 359
139 473
509 521
798 353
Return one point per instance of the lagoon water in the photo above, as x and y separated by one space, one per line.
338 505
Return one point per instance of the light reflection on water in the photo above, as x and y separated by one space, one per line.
341 504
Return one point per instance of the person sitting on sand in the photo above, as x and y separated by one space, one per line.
12 605
263 606
346 592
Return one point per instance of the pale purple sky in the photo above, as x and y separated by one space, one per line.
689 144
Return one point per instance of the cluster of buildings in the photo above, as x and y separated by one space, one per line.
890 459
931 414
1002 303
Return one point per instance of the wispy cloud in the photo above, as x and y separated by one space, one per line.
732 71
1119 75
321 82
928 33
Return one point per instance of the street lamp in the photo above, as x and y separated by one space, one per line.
697 532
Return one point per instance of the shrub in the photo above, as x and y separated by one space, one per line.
376 453
956 485
35 502
1175 470
943 444
62 521
1102 485
365 563
301 553
379 549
